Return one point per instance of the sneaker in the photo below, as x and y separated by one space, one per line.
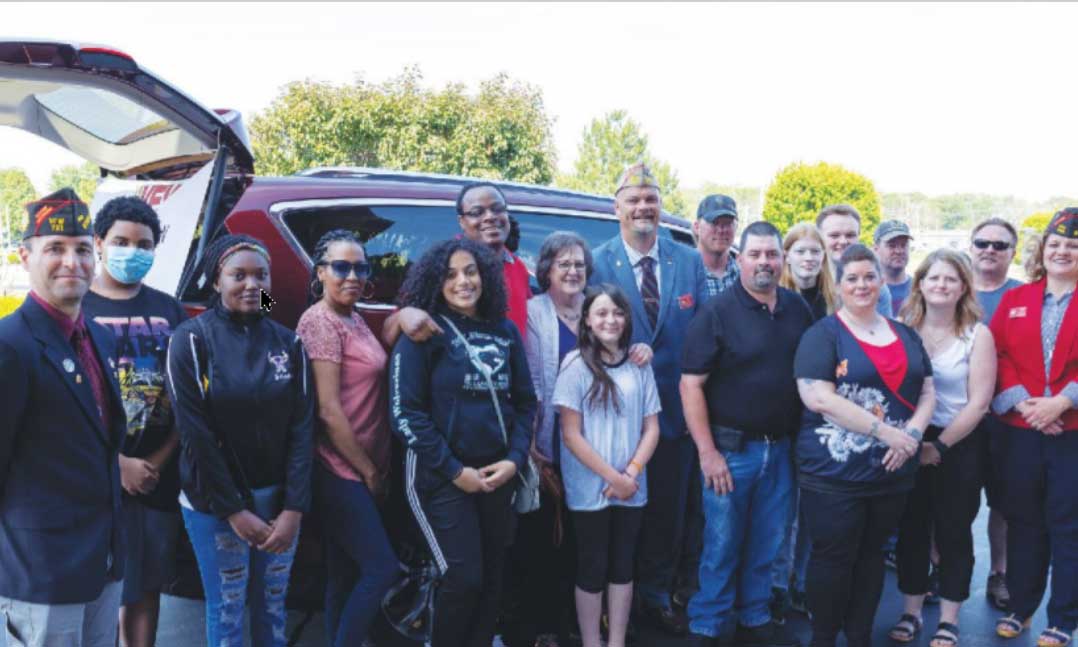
799 603
780 605
996 591
768 635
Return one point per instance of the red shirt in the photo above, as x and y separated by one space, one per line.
75 331
890 362
518 291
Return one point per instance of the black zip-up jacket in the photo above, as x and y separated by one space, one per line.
440 403
242 391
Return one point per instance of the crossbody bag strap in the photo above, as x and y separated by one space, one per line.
473 355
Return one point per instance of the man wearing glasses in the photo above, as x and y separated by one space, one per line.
484 217
715 227
992 247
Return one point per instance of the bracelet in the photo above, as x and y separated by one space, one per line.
940 446
874 430
915 433
638 466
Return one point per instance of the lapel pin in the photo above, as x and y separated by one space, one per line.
69 366
78 378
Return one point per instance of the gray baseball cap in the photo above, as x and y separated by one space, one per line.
889 229
716 206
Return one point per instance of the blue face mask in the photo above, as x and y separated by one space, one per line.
128 265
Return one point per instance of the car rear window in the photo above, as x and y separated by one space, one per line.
395 236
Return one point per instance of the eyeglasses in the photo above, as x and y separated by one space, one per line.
343 269
998 245
565 266
498 209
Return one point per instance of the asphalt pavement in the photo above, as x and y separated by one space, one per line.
183 625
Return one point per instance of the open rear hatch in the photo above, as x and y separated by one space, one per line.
147 137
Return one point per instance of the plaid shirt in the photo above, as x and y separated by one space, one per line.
717 284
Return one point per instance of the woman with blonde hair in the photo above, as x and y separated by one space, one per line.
806 271
943 309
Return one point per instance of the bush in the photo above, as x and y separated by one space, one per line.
800 190
9 305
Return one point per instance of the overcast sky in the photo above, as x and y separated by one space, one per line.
936 98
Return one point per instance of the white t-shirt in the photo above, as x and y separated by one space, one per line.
613 435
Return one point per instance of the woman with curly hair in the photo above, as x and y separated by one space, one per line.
463 404
349 366
942 307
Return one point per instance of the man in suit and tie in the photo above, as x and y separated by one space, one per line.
666 283
61 537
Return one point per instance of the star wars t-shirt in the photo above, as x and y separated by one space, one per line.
142 326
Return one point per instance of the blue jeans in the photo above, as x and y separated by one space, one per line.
360 563
231 570
791 563
742 534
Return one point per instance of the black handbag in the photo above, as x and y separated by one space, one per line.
409 605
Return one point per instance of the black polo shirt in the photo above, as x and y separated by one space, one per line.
747 351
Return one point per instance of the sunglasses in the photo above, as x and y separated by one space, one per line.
998 245
343 269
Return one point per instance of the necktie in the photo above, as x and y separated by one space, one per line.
85 353
649 289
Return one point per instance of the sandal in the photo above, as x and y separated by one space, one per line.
1009 626
946 635
906 629
1053 637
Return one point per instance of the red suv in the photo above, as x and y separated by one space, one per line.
195 166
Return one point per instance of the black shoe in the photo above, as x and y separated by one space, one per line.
799 603
668 619
681 597
768 635
780 605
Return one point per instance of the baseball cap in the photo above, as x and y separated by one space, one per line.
889 229
716 206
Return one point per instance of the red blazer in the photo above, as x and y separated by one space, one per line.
1016 328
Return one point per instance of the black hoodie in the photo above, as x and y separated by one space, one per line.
440 403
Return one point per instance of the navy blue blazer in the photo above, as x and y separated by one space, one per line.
682 289
61 534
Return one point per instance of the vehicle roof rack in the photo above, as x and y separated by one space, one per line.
353 172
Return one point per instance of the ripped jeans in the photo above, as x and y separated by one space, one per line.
231 571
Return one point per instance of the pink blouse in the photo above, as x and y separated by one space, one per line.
363 386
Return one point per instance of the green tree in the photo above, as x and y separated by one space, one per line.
502 132
609 144
1032 225
800 190
15 191
81 177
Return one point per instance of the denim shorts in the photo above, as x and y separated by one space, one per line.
151 549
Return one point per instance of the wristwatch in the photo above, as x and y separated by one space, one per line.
940 446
